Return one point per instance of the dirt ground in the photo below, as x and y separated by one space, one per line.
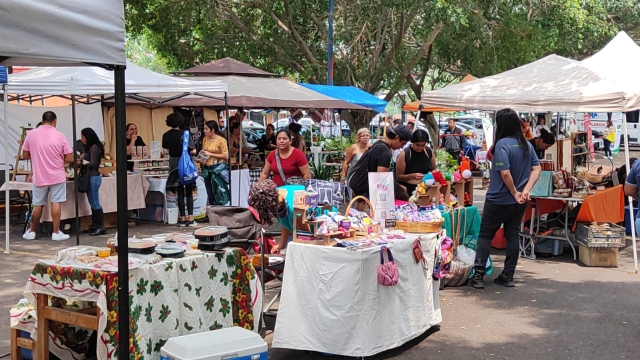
559 308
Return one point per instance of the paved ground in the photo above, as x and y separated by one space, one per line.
558 310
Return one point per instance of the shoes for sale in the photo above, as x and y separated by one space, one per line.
60 236
504 281
29 235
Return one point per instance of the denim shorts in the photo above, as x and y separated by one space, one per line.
41 194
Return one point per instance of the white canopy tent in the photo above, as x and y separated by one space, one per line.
552 83
75 32
94 83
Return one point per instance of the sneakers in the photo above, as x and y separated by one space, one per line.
504 281
29 235
188 223
476 282
60 236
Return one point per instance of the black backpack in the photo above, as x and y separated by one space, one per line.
358 174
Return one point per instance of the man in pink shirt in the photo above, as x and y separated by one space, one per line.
48 150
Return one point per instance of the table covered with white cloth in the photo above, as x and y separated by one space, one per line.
240 184
137 187
332 301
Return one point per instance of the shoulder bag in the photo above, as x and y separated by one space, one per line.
294 180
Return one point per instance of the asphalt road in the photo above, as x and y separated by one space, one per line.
559 308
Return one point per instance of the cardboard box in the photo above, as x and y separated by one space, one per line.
598 256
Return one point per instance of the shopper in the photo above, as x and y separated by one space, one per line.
133 140
453 140
288 164
355 151
415 161
172 140
298 140
609 137
378 158
541 125
541 143
515 169
48 150
93 154
268 141
214 169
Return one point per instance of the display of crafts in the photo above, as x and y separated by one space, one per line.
383 240
91 257
413 213
335 222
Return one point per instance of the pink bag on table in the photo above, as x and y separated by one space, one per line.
387 272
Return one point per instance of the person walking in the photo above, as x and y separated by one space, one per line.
93 154
214 146
609 137
48 149
453 140
172 140
515 169
355 151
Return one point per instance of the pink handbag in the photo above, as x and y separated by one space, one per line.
387 272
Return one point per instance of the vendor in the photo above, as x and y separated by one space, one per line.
415 161
290 166
541 143
133 140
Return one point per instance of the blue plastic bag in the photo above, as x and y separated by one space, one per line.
187 171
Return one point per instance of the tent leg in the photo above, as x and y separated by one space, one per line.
226 116
633 227
7 173
123 221
75 164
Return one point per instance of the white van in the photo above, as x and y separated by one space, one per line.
599 122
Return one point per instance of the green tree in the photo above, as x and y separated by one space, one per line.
390 45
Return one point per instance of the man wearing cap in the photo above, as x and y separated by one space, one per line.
378 158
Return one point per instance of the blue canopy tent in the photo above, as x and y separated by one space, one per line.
351 95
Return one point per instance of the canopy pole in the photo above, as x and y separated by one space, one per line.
627 162
240 161
226 115
75 165
123 213
7 173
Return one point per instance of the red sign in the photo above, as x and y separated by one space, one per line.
587 128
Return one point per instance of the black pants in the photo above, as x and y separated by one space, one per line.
607 147
493 216
181 196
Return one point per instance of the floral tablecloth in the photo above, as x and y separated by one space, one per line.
173 298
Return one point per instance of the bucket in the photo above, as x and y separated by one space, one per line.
558 247
172 216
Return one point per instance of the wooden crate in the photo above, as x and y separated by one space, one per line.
598 256
434 192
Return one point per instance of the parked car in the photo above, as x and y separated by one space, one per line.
252 138
464 127
254 126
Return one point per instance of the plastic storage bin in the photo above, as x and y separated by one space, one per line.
231 343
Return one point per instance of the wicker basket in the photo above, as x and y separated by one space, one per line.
364 232
415 227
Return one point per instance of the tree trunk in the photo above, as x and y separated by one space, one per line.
356 119
432 127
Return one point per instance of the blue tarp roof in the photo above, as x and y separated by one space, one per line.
351 95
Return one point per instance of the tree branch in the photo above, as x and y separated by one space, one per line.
298 39
408 69
380 41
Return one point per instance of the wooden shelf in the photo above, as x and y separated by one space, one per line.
580 154
152 168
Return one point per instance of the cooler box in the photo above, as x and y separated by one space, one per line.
230 343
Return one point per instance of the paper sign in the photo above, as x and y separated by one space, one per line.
381 194
487 126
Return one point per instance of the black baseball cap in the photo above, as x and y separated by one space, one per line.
401 131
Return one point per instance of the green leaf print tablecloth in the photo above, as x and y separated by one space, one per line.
172 298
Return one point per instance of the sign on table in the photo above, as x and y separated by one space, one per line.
381 194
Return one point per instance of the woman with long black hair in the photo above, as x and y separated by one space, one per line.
93 154
515 169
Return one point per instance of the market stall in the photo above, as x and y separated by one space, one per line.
340 308
137 187
170 298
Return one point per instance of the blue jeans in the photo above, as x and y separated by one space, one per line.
93 195
637 227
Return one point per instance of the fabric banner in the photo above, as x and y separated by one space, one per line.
381 194
587 128
487 126
598 122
